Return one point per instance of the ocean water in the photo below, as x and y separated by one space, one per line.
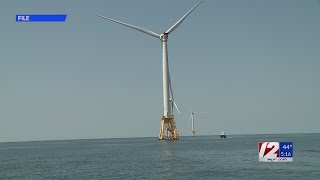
201 157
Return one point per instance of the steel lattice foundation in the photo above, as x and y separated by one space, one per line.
168 129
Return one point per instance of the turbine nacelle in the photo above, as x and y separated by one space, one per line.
164 36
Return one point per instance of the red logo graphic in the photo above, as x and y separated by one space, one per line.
268 149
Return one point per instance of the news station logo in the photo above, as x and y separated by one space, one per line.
275 151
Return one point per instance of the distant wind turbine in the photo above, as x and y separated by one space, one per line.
167 121
192 119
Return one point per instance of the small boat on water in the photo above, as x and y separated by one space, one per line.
223 135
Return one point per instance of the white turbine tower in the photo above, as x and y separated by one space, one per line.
192 119
167 122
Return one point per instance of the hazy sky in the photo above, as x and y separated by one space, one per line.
253 65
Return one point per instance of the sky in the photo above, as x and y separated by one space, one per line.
252 65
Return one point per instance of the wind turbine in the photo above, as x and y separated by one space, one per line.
167 120
192 118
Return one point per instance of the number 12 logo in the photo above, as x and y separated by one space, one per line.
268 149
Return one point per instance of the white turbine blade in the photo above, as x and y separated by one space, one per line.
171 91
181 20
170 86
151 33
189 119
175 105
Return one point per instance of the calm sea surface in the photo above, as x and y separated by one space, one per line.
202 157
